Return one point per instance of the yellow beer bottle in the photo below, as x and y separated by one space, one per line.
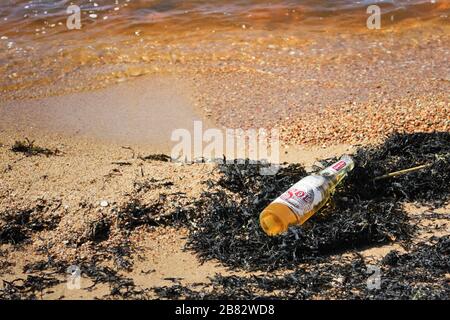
304 198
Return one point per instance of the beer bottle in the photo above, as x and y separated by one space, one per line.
304 198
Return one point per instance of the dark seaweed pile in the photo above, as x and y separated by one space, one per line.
134 214
426 268
43 278
400 151
25 289
419 274
28 148
17 226
225 226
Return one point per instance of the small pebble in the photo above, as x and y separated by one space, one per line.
104 203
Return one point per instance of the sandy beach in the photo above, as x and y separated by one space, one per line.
103 118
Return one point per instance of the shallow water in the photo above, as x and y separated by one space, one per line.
38 50
116 16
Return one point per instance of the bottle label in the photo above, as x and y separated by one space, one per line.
335 168
303 196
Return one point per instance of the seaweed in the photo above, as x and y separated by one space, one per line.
228 230
135 214
5 264
17 226
99 230
156 157
429 186
225 222
120 286
150 184
419 274
307 262
28 148
26 289
122 255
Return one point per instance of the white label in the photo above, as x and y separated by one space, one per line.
303 196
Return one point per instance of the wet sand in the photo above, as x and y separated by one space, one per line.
145 111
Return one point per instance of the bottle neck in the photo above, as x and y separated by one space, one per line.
337 171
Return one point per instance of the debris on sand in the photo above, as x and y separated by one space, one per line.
26 289
28 148
135 214
361 213
317 260
47 277
150 184
419 274
156 157
429 186
120 286
17 226
104 203
98 231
